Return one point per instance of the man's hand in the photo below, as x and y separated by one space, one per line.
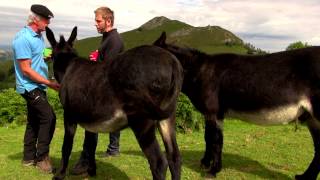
53 85
94 55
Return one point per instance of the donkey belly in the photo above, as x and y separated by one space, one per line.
116 122
277 115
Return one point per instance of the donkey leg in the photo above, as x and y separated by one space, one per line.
314 128
208 155
91 149
69 132
314 167
214 142
145 134
168 134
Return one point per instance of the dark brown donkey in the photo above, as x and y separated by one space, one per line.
137 89
268 89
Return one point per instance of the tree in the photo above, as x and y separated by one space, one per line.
253 50
297 45
6 74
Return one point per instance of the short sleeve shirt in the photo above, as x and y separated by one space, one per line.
28 44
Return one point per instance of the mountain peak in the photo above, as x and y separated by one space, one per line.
212 39
155 22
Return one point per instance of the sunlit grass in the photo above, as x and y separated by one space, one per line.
250 152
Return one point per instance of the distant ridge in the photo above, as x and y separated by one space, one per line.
5 54
155 22
210 39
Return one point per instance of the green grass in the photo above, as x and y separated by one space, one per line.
250 152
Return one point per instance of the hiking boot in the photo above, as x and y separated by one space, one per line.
28 163
111 154
45 165
80 168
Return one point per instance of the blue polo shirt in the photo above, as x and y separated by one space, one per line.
27 44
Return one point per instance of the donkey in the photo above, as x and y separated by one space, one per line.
267 89
137 89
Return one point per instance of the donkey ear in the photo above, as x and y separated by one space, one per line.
62 40
50 37
161 41
72 36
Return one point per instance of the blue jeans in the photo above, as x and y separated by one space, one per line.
91 141
114 139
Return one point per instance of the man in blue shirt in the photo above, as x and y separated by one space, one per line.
31 82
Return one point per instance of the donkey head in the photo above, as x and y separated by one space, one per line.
62 52
176 50
186 56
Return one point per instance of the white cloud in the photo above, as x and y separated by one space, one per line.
269 25
294 20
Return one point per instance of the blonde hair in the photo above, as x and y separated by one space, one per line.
106 13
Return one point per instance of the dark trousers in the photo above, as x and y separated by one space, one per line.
91 141
41 122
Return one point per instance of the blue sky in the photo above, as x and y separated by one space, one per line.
269 25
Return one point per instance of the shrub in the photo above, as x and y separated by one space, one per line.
6 74
13 106
188 118
54 101
13 110
297 45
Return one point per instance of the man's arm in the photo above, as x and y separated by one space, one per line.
25 67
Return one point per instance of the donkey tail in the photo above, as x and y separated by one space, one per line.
175 85
164 108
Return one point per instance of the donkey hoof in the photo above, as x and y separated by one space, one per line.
299 177
92 172
210 176
215 169
205 163
58 177
213 172
304 177
202 166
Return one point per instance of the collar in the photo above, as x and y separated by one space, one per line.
106 34
30 30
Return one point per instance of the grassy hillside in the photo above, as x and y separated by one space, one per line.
85 46
210 39
150 31
5 54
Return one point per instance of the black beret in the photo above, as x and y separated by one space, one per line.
41 11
